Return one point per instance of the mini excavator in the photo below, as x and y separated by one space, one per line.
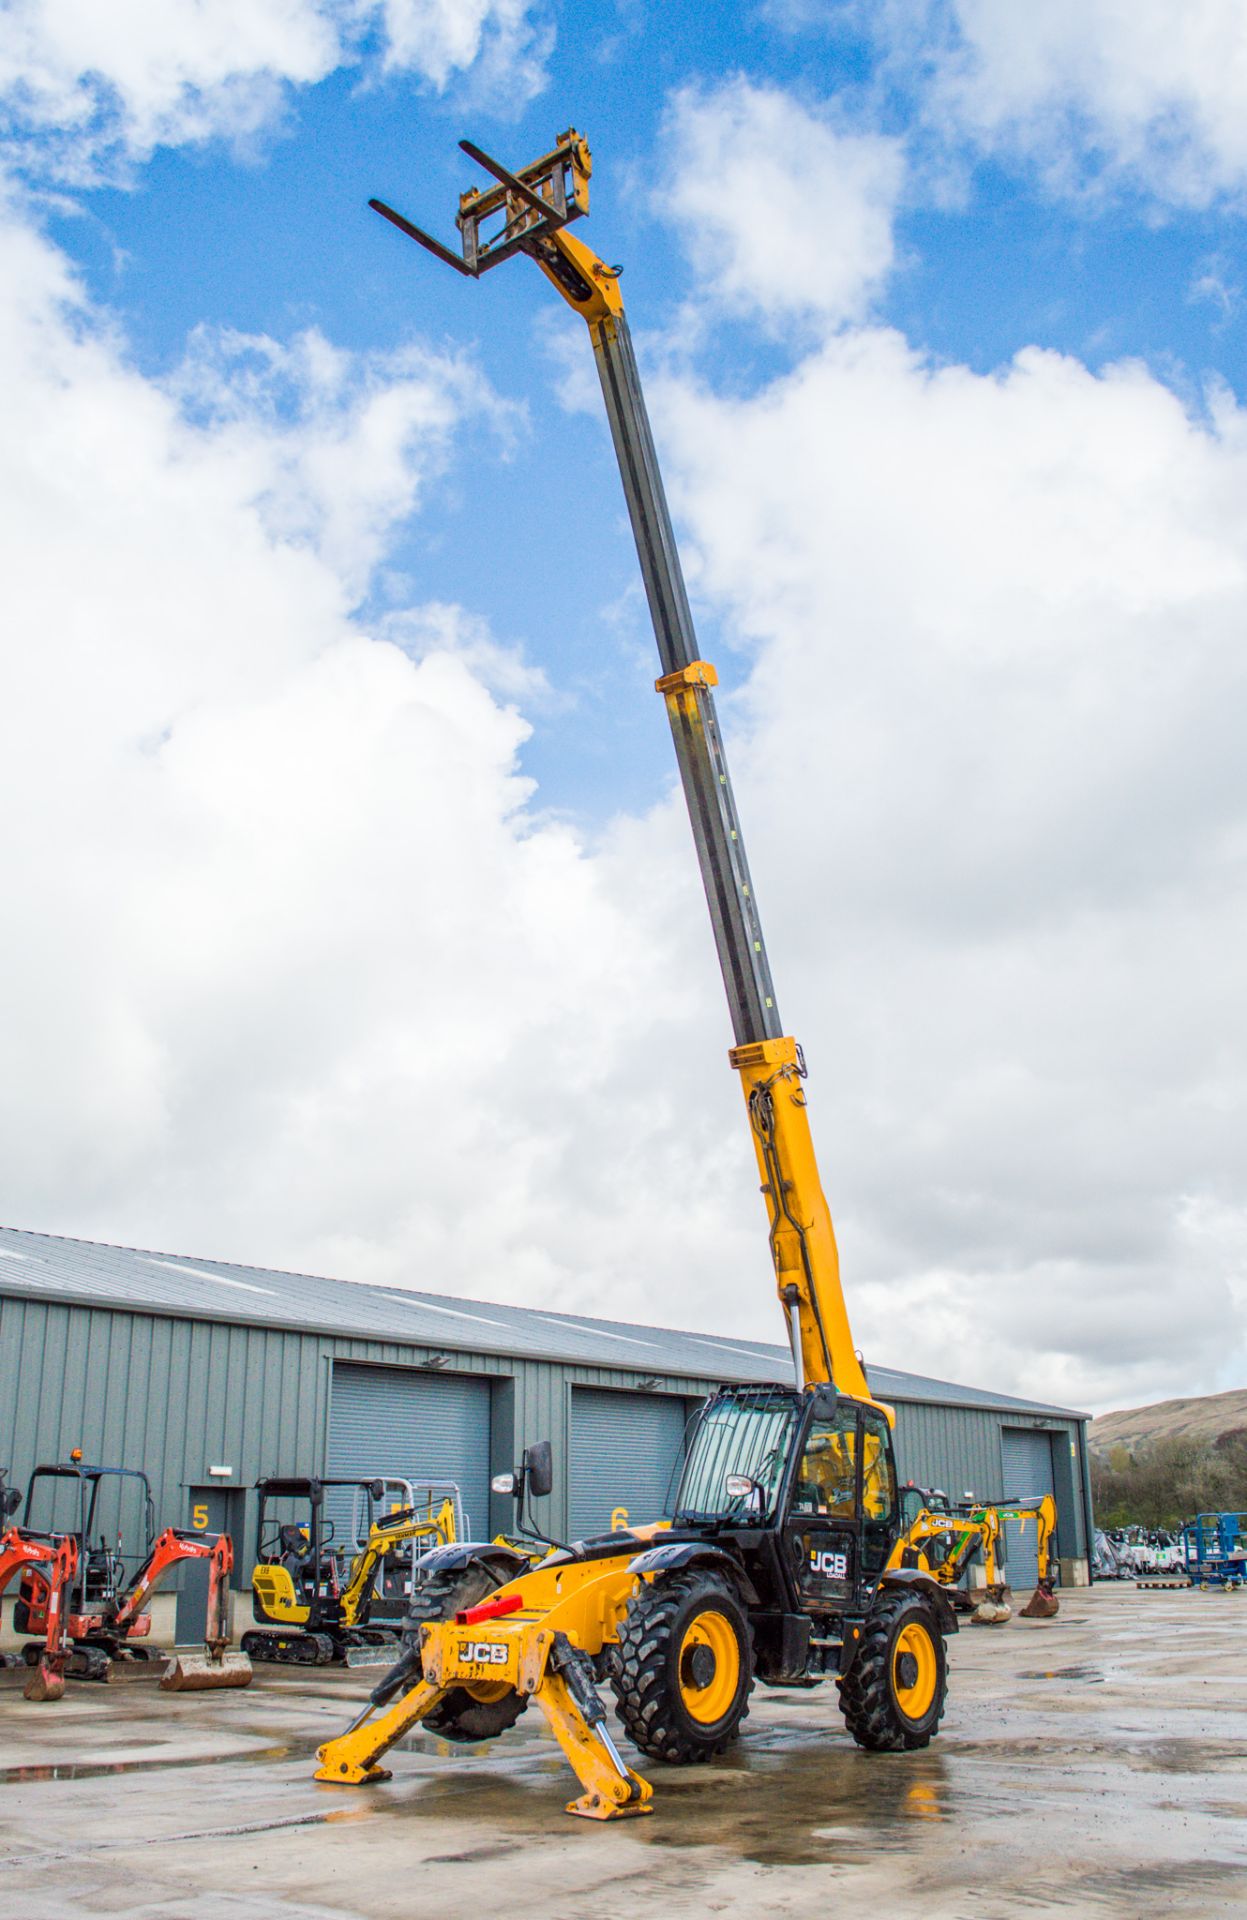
774 1566
319 1607
54 1557
86 1608
945 1539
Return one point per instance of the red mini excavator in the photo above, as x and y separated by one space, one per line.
54 1559
89 1614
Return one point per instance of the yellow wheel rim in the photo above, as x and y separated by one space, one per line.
914 1670
709 1667
487 1691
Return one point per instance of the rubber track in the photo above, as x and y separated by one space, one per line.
638 1671
866 1693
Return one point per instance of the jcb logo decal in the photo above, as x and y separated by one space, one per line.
832 1566
483 1653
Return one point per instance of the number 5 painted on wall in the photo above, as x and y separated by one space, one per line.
199 1518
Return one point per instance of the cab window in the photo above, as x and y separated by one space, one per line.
826 1480
879 1491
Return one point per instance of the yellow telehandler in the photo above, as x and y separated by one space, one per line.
774 1566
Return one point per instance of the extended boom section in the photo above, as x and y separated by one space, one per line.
533 209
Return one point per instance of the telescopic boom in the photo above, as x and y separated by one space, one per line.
528 212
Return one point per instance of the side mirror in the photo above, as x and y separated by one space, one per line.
539 1468
376 1489
10 1501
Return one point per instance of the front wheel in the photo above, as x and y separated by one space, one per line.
683 1669
893 1695
465 1714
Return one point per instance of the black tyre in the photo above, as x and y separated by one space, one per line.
466 1713
893 1695
683 1669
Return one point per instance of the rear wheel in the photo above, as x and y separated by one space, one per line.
473 1713
893 1695
683 1669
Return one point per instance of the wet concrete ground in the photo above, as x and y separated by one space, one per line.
1095 1764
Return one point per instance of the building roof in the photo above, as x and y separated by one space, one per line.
88 1273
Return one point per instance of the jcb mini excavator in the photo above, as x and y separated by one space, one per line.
775 1564
316 1602
945 1539
88 1609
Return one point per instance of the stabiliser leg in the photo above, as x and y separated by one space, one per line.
352 1759
611 1790
569 1699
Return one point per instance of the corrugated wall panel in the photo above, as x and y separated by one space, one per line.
623 1451
417 1426
1027 1463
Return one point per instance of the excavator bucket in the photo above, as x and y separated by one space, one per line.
45 1682
1042 1605
202 1672
994 1608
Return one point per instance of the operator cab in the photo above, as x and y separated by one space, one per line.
813 1469
111 1517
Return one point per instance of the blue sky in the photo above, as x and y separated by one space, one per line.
388 961
277 238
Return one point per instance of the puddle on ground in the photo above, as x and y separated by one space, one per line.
469 1854
804 1807
100 1769
1189 1756
1064 1673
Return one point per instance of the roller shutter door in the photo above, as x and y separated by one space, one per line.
1027 1461
417 1426
623 1452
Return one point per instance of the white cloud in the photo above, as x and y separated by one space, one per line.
1211 283
321 440
505 42
1094 90
997 806
783 213
299 972
104 86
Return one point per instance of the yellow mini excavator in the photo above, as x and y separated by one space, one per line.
318 1602
946 1539
775 1564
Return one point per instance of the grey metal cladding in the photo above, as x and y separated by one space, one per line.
624 1451
88 1273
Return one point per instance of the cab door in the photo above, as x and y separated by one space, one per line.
880 1495
821 1541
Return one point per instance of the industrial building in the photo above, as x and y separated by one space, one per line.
208 1375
